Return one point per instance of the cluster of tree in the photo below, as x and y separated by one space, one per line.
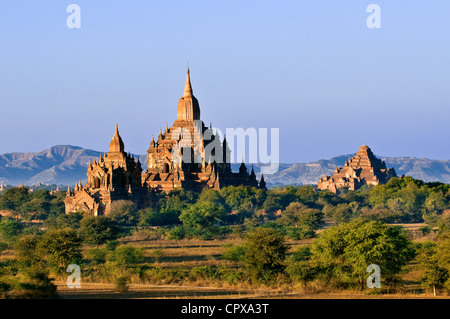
36 256
38 205
410 200
40 256
297 210
401 200
340 256
90 230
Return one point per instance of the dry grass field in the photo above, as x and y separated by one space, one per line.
190 253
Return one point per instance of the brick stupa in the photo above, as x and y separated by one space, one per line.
363 169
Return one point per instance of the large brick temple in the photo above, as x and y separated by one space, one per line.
363 169
187 155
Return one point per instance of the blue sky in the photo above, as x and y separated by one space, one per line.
310 68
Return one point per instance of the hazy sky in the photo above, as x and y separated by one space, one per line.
313 69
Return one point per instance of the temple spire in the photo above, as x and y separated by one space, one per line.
116 144
188 88
188 107
152 142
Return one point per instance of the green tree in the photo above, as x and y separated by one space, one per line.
306 194
124 213
151 217
380 194
407 197
97 256
176 200
9 230
57 206
27 252
241 198
265 253
13 198
32 269
340 213
434 275
36 208
347 250
62 248
203 214
72 220
443 254
211 195
272 203
5 287
302 271
97 230
299 215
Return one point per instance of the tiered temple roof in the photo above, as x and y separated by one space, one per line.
363 169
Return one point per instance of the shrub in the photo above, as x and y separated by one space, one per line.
234 253
97 230
204 272
157 254
4 289
121 284
177 233
36 283
265 253
126 256
302 271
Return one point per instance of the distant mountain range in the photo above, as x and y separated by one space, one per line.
65 165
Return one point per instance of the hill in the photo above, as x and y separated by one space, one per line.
61 164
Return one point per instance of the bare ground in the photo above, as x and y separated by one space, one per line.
147 291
